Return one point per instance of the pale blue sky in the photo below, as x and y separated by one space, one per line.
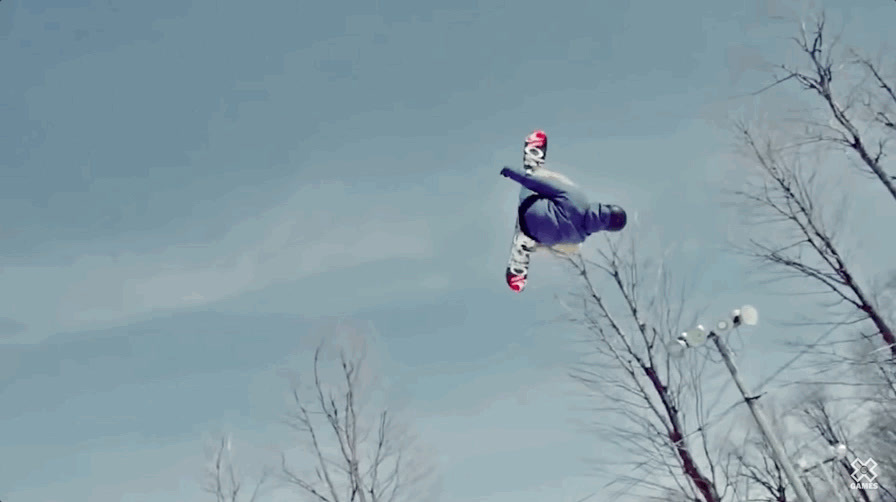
188 188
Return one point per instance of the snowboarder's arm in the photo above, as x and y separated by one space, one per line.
537 184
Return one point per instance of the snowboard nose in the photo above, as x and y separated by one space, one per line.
516 282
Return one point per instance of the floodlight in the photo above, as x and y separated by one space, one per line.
694 336
749 315
677 348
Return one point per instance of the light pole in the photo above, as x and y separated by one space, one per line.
749 316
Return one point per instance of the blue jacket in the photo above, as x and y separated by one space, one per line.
553 212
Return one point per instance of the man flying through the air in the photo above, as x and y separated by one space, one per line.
556 213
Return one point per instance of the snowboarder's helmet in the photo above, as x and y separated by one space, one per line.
617 219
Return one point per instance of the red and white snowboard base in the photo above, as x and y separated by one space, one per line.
535 150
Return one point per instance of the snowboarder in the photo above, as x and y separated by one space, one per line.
556 213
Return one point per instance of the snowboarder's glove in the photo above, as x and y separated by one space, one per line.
505 172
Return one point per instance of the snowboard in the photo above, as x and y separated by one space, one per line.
535 150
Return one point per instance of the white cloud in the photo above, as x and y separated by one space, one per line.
321 228
193 297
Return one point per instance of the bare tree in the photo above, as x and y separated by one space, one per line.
875 396
812 428
880 440
806 249
759 475
657 411
845 397
351 455
818 415
861 119
758 471
223 480
855 116
658 408
766 473
880 105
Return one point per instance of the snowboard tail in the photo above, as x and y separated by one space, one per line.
535 149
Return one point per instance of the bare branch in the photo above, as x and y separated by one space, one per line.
224 482
786 192
355 458
630 366
818 79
